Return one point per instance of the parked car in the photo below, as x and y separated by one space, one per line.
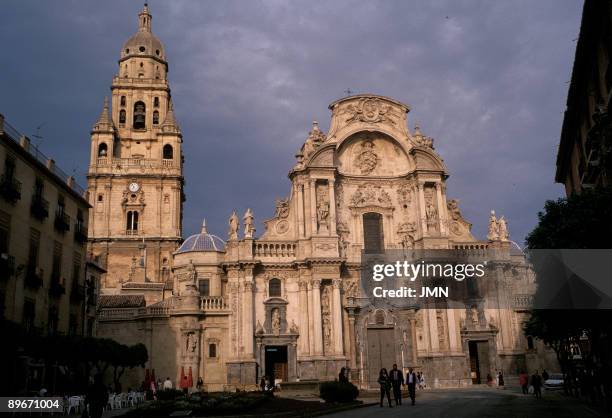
554 382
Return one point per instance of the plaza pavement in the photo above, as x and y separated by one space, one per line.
477 402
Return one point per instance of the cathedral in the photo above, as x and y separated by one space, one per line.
288 303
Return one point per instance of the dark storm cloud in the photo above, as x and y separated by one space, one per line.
486 79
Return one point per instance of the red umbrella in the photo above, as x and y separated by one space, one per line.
153 377
183 378
190 378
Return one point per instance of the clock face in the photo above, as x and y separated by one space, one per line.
134 187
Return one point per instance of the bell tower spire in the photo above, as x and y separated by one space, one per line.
144 19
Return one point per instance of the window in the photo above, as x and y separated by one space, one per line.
122 101
274 288
33 250
132 221
156 118
56 269
122 116
168 152
39 186
212 350
373 233
100 198
5 224
204 287
29 314
142 49
76 269
156 102
139 115
102 150
9 167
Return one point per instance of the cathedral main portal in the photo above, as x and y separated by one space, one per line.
381 352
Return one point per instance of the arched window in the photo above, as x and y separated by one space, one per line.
156 102
155 118
168 152
122 116
122 102
373 233
132 222
139 115
274 288
102 150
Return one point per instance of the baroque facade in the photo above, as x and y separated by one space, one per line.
288 303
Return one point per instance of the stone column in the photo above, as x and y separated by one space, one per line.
422 213
311 325
316 317
300 209
313 207
414 341
442 219
304 319
433 330
332 207
247 324
337 317
352 342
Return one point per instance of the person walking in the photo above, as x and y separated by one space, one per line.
524 382
200 384
411 381
500 380
544 375
397 380
385 386
167 384
97 397
536 382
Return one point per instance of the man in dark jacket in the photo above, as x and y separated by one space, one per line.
97 397
411 381
397 380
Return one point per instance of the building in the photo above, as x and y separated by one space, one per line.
135 180
288 303
43 237
584 158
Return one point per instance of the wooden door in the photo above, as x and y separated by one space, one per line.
381 353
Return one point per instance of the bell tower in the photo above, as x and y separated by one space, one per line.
135 176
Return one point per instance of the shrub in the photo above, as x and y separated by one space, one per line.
338 392
169 394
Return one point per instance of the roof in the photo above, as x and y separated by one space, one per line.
202 242
122 301
369 96
142 285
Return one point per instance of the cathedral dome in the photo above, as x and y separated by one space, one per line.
143 42
202 242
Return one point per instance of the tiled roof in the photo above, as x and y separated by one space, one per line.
122 301
142 285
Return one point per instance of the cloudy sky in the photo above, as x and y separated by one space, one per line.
488 80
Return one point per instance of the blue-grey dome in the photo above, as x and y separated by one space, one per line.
202 242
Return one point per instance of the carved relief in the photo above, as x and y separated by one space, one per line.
431 211
343 233
421 139
276 321
322 207
403 194
441 323
406 231
370 110
282 227
282 208
367 158
370 195
325 247
326 299
350 288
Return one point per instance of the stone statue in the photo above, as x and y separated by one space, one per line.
474 313
191 343
453 209
493 232
294 328
249 228
431 212
322 213
233 226
276 326
502 229
326 331
282 208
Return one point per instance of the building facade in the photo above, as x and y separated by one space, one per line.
584 158
43 236
288 303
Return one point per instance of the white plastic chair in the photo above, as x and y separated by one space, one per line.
74 403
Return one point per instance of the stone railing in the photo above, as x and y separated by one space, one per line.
274 249
133 162
213 303
124 314
473 248
522 301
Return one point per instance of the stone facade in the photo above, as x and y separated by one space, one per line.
289 303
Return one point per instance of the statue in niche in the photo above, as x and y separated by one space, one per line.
294 328
326 332
367 159
276 321
249 228
233 226
191 343
322 212
474 314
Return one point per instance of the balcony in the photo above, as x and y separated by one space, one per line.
34 277
131 232
62 221
80 232
39 208
10 189
56 288
7 266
